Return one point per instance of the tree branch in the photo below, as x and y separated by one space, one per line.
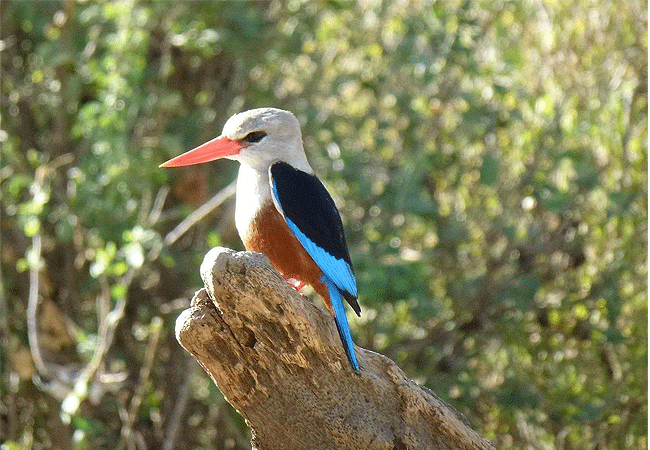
200 213
278 360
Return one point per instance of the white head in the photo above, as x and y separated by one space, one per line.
256 138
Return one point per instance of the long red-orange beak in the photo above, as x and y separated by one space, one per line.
219 147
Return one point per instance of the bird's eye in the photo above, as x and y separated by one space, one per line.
254 136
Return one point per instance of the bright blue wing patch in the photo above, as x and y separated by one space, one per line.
336 270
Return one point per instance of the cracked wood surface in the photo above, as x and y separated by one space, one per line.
278 360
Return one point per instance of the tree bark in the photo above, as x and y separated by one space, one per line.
278 360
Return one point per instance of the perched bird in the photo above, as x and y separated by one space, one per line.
282 208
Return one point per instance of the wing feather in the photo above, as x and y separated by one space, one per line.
312 216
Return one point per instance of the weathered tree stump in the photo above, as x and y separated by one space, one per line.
278 359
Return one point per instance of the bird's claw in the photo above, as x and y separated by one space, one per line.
296 284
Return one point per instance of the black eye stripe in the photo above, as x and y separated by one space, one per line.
254 136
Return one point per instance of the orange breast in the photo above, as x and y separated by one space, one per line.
268 233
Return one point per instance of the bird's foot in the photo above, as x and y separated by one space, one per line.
296 284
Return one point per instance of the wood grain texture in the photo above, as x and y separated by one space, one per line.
278 360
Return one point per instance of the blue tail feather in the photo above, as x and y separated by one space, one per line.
342 322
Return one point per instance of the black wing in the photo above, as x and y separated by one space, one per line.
311 214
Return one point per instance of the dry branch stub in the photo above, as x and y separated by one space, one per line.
278 360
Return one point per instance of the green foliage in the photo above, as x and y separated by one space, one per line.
489 160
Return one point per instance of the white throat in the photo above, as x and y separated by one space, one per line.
253 191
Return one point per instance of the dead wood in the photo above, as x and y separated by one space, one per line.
278 360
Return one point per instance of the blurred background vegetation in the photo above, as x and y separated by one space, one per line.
489 159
